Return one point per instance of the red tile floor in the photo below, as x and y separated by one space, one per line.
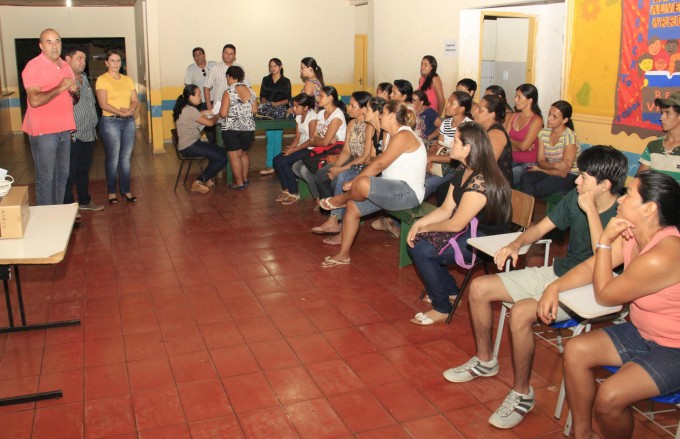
209 316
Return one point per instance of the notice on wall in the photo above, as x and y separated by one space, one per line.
450 47
649 64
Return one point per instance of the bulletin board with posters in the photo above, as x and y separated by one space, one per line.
649 66
624 54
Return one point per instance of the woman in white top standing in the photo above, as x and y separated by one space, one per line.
238 107
402 185
331 127
305 117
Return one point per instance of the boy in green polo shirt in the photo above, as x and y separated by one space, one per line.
663 154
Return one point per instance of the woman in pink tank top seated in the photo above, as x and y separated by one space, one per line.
644 238
523 128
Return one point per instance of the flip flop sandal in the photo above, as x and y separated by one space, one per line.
423 319
325 204
331 241
330 262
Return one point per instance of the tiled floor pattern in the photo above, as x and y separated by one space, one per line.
209 316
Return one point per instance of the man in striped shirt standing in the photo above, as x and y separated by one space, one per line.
82 140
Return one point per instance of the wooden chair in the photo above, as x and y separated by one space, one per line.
522 212
183 160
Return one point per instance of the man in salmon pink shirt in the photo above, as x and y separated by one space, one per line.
49 84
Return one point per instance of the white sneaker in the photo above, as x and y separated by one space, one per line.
513 410
472 369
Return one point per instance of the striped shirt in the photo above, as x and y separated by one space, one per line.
554 153
448 131
85 113
659 159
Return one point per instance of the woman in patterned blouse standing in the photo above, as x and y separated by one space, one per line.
238 107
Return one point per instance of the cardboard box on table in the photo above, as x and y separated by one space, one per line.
14 213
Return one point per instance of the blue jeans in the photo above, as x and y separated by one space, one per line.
433 269
388 195
283 165
323 183
118 135
340 180
274 141
51 156
540 185
217 159
518 169
301 171
432 182
79 172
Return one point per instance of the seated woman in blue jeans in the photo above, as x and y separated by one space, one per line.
477 189
402 185
558 150
190 123
299 148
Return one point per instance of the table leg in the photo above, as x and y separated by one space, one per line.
5 274
31 397
24 326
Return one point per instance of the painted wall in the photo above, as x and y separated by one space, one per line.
28 22
282 32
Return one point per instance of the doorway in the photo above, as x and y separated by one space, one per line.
507 50
95 48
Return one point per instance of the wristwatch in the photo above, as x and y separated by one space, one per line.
604 246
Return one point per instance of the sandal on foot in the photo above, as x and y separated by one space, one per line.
319 230
325 204
423 319
283 196
291 199
330 262
331 241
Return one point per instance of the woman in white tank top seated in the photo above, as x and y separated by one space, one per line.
402 185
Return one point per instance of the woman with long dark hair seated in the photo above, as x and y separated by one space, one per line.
644 237
190 122
477 190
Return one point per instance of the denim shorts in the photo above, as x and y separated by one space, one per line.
387 194
660 362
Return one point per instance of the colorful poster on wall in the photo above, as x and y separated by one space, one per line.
649 65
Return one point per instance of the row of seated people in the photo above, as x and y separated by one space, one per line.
644 236
479 191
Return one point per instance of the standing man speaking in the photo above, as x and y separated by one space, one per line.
49 83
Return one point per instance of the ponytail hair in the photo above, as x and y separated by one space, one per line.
183 100
278 63
464 100
329 90
386 87
423 97
494 104
664 191
404 113
566 110
530 91
404 88
377 103
305 100
311 62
